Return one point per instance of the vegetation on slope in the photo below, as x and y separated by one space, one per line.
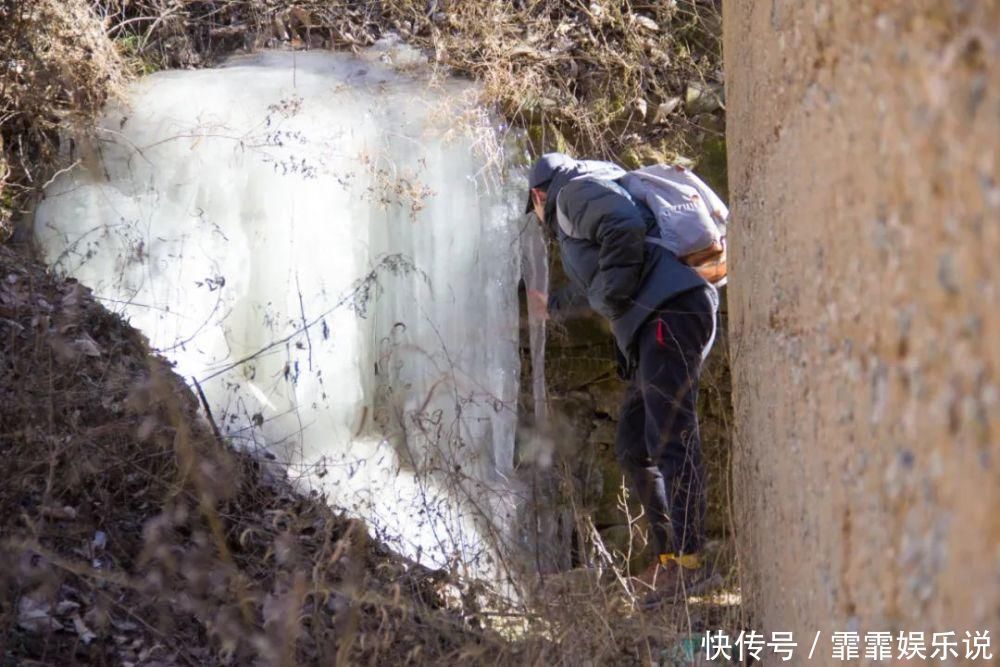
639 82
132 533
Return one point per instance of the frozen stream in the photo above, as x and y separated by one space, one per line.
330 245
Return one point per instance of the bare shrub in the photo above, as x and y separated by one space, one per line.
57 69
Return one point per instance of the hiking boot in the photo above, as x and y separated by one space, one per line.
665 569
656 577
672 579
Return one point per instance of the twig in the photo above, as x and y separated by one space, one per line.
305 324
208 409
60 173
358 289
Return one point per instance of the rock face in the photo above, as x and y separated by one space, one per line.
865 313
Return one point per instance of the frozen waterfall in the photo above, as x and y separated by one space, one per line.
329 244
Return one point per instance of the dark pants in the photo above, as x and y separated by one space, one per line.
658 443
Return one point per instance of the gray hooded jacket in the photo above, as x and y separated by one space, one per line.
602 240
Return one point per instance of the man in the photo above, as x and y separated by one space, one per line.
662 314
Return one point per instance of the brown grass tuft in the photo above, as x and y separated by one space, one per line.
57 69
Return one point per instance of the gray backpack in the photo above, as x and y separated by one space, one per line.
691 218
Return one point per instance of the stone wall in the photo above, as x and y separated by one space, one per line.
865 312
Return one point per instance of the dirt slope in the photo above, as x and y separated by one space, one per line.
130 533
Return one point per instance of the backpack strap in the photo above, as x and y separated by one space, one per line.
564 222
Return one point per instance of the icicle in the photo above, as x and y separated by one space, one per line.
535 272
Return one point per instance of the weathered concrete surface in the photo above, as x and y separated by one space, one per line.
865 312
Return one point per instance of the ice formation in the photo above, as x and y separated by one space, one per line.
330 245
535 272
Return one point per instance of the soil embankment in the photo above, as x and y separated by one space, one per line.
131 533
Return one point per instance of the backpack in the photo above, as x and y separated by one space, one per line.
690 217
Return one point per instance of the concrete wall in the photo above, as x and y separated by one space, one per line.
864 143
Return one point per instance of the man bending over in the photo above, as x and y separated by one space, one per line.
662 314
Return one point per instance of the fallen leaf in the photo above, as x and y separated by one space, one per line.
85 633
146 428
74 296
646 22
641 106
702 97
66 606
525 50
123 626
65 513
33 615
85 345
664 109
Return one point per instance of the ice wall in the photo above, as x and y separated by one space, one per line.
328 244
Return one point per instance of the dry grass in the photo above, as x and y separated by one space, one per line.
590 78
57 69
131 533
602 79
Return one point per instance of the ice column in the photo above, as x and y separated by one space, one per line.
329 244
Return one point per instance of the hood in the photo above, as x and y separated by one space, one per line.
575 169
